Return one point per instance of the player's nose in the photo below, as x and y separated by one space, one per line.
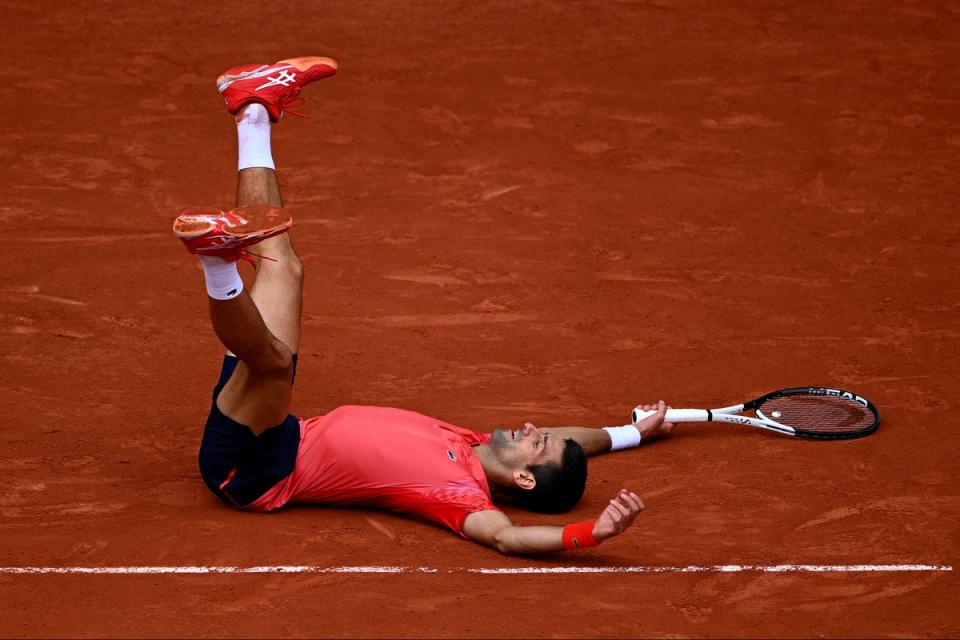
530 430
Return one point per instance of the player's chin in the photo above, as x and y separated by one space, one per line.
500 438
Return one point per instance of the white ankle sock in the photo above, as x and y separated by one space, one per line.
253 138
223 279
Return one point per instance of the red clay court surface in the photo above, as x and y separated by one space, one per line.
508 211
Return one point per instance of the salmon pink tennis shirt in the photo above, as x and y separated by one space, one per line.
386 459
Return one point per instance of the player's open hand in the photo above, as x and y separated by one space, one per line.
618 515
653 426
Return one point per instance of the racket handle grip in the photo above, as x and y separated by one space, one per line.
674 415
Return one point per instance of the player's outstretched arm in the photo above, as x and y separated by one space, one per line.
597 441
494 529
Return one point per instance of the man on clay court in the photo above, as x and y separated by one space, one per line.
255 455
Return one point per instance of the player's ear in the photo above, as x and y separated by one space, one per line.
524 479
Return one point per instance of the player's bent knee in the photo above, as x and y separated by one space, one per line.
284 360
296 268
278 363
287 265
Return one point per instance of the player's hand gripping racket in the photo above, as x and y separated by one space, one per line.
804 412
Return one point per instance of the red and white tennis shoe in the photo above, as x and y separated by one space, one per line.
211 232
275 86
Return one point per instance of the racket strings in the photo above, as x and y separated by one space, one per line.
820 414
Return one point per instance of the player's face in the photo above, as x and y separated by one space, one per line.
528 445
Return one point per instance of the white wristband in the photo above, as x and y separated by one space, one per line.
625 437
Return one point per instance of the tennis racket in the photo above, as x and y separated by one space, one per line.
804 412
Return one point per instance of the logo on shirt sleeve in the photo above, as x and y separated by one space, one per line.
452 455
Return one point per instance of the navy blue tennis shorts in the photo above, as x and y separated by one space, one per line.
237 465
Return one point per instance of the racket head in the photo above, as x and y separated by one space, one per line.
819 413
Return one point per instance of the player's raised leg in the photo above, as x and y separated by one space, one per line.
220 239
261 327
258 97
277 289
256 396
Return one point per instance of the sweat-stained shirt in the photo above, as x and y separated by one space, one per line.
389 459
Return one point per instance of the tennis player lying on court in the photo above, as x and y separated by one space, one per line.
257 456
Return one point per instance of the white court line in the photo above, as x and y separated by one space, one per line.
718 568
726 568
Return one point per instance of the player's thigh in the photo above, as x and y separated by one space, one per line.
257 399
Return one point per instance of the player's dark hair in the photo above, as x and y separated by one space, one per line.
558 488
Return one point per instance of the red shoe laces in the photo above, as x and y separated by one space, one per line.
292 101
248 256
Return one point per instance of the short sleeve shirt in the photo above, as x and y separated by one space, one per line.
388 459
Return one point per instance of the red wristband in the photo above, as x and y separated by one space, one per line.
579 535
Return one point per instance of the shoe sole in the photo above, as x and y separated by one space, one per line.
195 221
253 220
304 63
